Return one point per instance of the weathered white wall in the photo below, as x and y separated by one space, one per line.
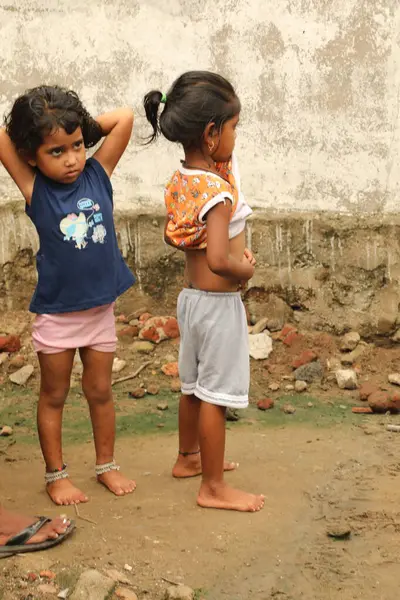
319 81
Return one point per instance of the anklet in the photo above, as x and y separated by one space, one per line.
106 468
189 453
56 475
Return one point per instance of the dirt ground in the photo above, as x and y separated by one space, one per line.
319 468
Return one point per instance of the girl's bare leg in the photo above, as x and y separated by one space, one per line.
214 492
54 387
96 384
188 462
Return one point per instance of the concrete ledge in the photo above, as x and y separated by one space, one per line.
336 272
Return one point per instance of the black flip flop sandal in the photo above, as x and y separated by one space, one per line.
18 543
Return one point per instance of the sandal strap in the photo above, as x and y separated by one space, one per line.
106 468
26 534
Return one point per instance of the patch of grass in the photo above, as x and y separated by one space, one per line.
140 417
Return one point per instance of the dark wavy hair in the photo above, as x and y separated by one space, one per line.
195 99
44 109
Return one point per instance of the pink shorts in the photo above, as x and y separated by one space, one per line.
93 328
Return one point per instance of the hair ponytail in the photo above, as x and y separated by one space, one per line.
152 102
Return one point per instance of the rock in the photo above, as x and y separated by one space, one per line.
396 337
306 357
179 592
118 365
63 594
311 372
310 405
176 386
274 387
349 341
393 428
288 409
143 347
153 389
17 361
129 332
285 331
47 588
333 364
125 594
47 574
92 585
381 402
232 415
31 577
260 326
6 431
347 379
144 317
363 410
170 358
138 313
117 576
137 393
265 404
170 369
3 357
121 319
339 531
351 357
260 345
366 390
128 567
162 406
158 329
277 310
289 387
21 376
300 386
10 343
394 378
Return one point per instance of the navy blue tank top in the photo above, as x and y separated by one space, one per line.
79 263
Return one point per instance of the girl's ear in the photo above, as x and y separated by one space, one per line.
209 136
31 162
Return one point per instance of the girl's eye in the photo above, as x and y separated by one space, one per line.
78 144
56 153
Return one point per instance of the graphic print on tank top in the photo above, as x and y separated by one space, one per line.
85 226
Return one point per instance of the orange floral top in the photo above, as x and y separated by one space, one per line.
189 195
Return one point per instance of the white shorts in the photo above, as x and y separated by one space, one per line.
214 362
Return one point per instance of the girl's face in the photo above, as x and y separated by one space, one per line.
224 140
61 156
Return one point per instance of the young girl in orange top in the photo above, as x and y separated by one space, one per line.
206 215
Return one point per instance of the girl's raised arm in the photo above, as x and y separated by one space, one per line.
20 171
117 127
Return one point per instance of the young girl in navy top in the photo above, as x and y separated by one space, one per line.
81 271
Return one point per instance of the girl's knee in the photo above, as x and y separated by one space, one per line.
98 392
53 396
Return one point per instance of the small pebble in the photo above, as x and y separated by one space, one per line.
63 594
128 567
274 387
6 431
288 409
153 389
162 406
138 393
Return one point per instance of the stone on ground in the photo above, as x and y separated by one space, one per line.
21 376
300 386
346 379
313 371
260 345
394 378
260 326
92 585
118 365
350 341
179 592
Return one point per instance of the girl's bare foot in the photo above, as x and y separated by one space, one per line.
64 493
190 466
11 524
224 497
117 483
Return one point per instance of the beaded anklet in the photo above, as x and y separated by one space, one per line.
106 468
56 474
